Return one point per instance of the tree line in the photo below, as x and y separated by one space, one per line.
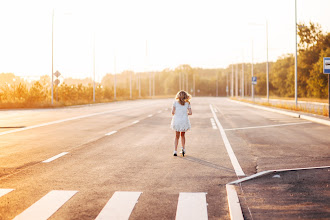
313 46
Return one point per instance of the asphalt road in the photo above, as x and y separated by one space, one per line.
136 163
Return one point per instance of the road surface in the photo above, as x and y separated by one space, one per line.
115 160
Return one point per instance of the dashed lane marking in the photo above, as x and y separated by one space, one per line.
64 120
5 191
159 112
267 126
120 206
46 206
213 123
191 206
134 122
110 133
55 157
149 116
231 154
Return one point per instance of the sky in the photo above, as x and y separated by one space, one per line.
147 35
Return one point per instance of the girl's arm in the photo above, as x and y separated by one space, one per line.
173 110
189 111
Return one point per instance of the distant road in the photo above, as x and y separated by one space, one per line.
115 160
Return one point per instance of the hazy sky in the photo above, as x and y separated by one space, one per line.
202 33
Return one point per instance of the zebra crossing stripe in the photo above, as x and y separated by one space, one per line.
46 206
191 206
5 191
120 206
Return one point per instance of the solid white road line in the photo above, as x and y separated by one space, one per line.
110 133
64 120
120 206
55 157
191 206
134 122
267 126
46 206
5 191
149 116
231 154
213 123
235 210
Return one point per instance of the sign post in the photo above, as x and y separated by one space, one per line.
326 70
254 82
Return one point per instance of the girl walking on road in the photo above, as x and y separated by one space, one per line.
180 122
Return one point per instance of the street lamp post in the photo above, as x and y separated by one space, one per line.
115 79
267 65
52 57
296 60
252 74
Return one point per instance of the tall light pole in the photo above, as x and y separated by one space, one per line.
94 67
242 83
52 57
115 80
236 80
252 73
296 60
232 81
194 81
267 65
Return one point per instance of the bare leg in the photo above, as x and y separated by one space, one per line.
183 139
176 140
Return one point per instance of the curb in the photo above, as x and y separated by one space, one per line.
296 115
235 209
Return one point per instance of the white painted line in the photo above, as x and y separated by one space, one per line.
134 122
120 206
235 210
267 126
46 206
149 116
213 123
233 159
159 112
110 133
55 157
5 191
191 206
215 110
63 120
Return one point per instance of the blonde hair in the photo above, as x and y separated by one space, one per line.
182 97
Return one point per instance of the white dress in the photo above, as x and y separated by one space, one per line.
180 121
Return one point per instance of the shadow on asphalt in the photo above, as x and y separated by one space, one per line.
206 163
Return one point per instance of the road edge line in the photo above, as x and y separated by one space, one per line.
233 159
306 117
235 209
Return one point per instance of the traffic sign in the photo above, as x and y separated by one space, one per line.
254 80
57 74
326 65
57 81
